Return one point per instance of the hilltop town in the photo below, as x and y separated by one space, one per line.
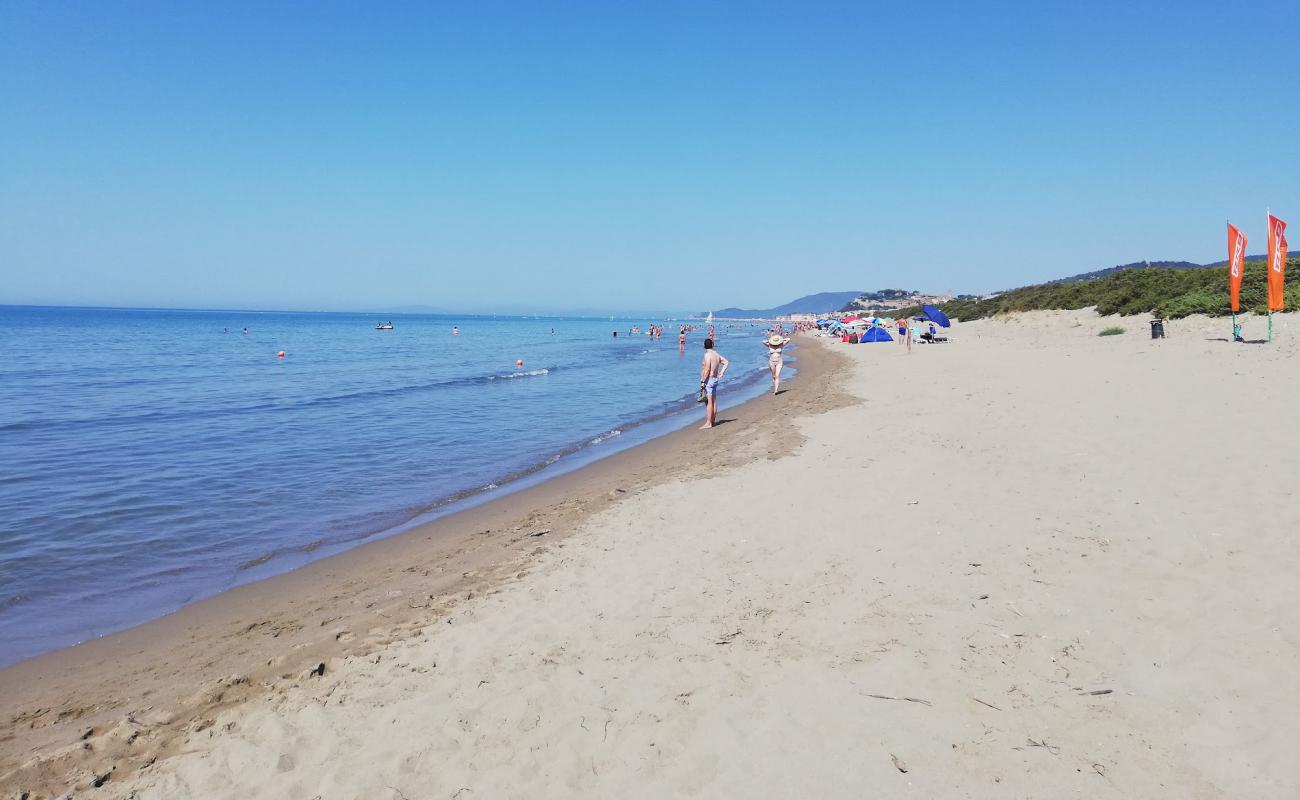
876 303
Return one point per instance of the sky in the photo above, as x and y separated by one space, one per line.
551 156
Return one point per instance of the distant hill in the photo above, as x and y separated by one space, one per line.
822 303
1101 273
1171 288
1261 257
1165 291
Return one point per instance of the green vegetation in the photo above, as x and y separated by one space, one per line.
1166 292
1113 330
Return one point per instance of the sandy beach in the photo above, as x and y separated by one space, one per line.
1032 562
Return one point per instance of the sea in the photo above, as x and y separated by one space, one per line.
152 458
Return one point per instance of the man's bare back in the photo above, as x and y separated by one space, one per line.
712 365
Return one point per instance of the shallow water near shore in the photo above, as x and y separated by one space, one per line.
152 458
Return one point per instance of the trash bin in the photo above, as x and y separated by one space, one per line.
1157 329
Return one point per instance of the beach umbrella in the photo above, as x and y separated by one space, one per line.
937 315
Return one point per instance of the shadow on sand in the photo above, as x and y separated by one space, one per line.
1243 341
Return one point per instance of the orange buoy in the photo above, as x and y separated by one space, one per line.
520 363
280 354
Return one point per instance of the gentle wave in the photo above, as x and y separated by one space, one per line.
605 437
528 374
227 411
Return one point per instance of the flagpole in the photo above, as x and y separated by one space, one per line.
1230 255
1268 226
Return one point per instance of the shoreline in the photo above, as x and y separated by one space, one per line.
173 673
274 544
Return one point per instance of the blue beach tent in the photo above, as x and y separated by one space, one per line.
875 335
937 315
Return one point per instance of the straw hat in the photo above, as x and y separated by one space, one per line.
775 340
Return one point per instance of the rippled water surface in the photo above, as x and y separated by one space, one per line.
150 458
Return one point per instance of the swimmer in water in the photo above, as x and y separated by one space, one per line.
455 330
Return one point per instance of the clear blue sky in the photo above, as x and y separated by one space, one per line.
621 156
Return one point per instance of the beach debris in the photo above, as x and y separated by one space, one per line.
1100 769
1097 692
899 764
102 779
982 597
729 638
317 671
986 703
976 564
1051 748
907 699
542 532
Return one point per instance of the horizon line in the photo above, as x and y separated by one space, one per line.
368 312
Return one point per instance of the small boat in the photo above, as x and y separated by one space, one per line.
387 327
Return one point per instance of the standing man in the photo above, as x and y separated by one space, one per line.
712 368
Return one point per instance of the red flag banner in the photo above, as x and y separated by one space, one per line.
1236 264
1276 264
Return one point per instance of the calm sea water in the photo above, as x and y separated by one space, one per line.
149 459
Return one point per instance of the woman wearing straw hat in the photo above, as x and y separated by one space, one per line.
774 344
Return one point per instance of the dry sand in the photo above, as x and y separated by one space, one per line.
1029 563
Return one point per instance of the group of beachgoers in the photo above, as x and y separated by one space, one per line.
918 329
714 366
